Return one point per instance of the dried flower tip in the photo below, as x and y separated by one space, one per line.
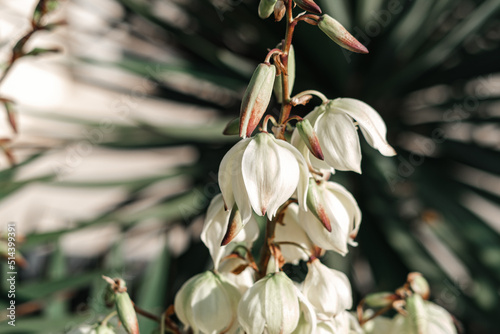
266 8
308 5
309 136
234 227
256 98
279 10
304 99
333 29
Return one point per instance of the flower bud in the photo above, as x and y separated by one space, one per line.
314 202
279 10
207 303
278 82
333 29
308 5
232 128
126 312
266 8
309 136
270 304
256 98
419 285
379 299
328 290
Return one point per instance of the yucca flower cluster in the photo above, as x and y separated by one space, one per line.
288 182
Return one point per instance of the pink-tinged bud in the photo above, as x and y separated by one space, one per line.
308 5
234 226
333 29
279 10
256 98
314 203
232 128
309 136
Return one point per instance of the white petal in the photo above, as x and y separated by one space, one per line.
250 309
304 172
328 290
211 307
282 305
370 122
307 323
291 230
270 174
351 206
230 167
215 227
339 141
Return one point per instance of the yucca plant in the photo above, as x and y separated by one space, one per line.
431 75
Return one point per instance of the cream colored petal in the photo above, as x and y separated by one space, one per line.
370 122
229 169
339 141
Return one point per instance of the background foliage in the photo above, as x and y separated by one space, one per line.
432 73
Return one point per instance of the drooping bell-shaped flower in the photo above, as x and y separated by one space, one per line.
290 230
328 290
338 138
342 212
270 306
423 318
221 224
261 173
207 304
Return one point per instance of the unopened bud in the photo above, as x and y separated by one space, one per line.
380 299
278 82
279 10
234 226
308 5
126 312
256 98
232 128
333 29
124 305
419 284
309 136
266 8
315 204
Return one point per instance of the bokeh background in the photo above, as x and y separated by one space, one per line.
120 140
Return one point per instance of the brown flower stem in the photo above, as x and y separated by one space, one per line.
171 326
290 27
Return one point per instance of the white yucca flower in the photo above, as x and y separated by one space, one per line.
207 304
338 137
270 306
215 229
328 290
423 317
261 173
337 209
291 231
